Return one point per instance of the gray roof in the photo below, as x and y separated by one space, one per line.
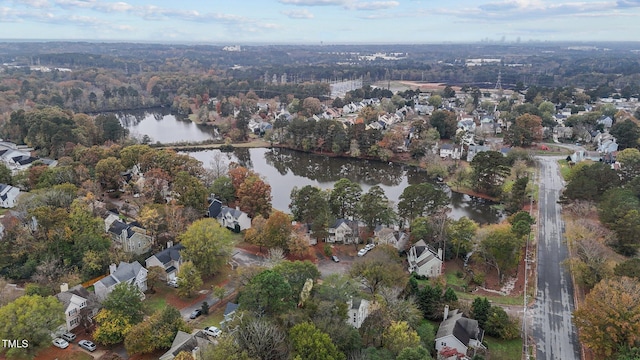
78 290
186 342
230 309
235 213
124 272
169 254
463 328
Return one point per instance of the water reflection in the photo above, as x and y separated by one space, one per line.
283 169
160 125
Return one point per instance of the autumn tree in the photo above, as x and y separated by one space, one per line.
297 272
307 202
277 230
399 335
207 244
381 267
501 248
32 318
156 332
626 133
254 196
460 234
108 172
155 275
308 342
526 130
189 279
608 319
191 192
445 122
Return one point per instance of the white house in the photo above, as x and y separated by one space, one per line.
132 273
388 236
193 344
474 150
168 259
77 302
343 231
424 260
8 195
358 311
458 332
234 219
450 151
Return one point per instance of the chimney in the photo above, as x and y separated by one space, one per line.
446 312
112 269
169 244
64 287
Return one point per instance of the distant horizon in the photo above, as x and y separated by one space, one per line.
320 44
316 21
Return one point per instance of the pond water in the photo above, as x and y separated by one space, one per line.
161 126
283 169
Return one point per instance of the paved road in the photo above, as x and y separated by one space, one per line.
553 331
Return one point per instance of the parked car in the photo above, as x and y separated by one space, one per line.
370 246
335 258
61 343
362 252
173 283
213 331
87 345
195 313
68 336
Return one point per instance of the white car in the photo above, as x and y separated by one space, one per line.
370 246
61 343
213 331
362 252
87 345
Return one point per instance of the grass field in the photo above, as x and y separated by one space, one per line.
565 170
503 349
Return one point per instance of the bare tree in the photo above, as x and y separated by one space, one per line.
262 340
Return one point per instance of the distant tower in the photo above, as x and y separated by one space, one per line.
499 84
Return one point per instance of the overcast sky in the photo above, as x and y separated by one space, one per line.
316 21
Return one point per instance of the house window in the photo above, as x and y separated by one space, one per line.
73 312
75 321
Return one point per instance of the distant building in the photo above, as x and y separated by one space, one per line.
8 195
358 312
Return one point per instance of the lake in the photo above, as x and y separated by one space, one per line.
283 169
161 126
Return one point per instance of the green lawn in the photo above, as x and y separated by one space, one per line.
153 304
213 319
504 350
494 299
565 170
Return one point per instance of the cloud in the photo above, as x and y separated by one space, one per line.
35 3
313 2
298 14
95 5
374 5
628 3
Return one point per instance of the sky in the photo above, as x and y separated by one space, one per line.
320 21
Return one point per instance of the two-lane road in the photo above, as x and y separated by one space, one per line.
553 331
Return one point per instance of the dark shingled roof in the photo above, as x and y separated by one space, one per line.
231 308
214 208
167 255
464 329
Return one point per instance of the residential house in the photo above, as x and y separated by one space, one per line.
474 150
230 311
467 124
389 236
132 237
79 305
488 125
8 196
343 231
563 132
582 155
192 344
234 219
425 260
358 311
132 273
169 259
450 151
458 332
303 230
605 121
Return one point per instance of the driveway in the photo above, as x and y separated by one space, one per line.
553 330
